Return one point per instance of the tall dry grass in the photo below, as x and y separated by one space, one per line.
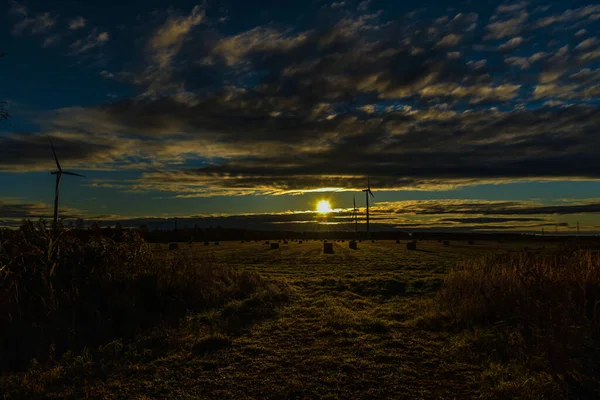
59 292
540 310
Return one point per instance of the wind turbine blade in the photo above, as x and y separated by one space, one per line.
54 152
371 193
74 174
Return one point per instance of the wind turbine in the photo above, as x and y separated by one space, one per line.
355 217
367 193
59 173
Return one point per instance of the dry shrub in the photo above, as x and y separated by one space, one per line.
59 292
549 302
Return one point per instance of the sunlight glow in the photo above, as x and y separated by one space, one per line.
324 207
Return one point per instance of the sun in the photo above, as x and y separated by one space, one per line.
324 207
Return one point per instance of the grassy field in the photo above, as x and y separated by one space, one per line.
353 324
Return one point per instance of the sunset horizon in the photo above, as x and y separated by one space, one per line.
464 117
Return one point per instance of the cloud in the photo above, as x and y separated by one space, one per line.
450 214
107 74
93 40
507 28
41 23
271 110
568 15
166 42
17 8
51 41
512 44
236 48
13 211
449 40
587 44
77 23
509 8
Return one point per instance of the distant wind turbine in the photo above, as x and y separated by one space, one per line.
59 173
355 217
367 193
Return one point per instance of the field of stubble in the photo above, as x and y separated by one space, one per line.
347 331
346 325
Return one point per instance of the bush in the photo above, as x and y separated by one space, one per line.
59 292
547 304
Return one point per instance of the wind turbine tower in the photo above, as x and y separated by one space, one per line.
355 217
367 194
59 173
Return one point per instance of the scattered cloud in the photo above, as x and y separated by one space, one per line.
450 40
107 74
41 23
509 8
77 23
166 42
507 28
276 110
93 40
587 44
512 44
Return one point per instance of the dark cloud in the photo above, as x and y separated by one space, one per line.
33 151
414 103
489 208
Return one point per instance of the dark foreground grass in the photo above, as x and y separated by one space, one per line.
378 323
532 319
59 293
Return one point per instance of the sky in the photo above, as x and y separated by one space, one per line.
466 116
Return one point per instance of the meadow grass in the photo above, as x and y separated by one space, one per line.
60 293
378 322
532 318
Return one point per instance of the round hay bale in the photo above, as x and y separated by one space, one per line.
328 248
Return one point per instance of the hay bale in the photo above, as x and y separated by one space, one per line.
173 246
446 243
411 245
216 243
372 241
206 243
328 248
274 246
471 242
353 245
300 241
285 242
267 242
397 242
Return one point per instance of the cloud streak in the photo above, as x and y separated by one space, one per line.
417 104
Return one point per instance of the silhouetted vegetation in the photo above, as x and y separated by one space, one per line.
533 318
60 292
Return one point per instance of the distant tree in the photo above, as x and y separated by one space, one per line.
80 224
